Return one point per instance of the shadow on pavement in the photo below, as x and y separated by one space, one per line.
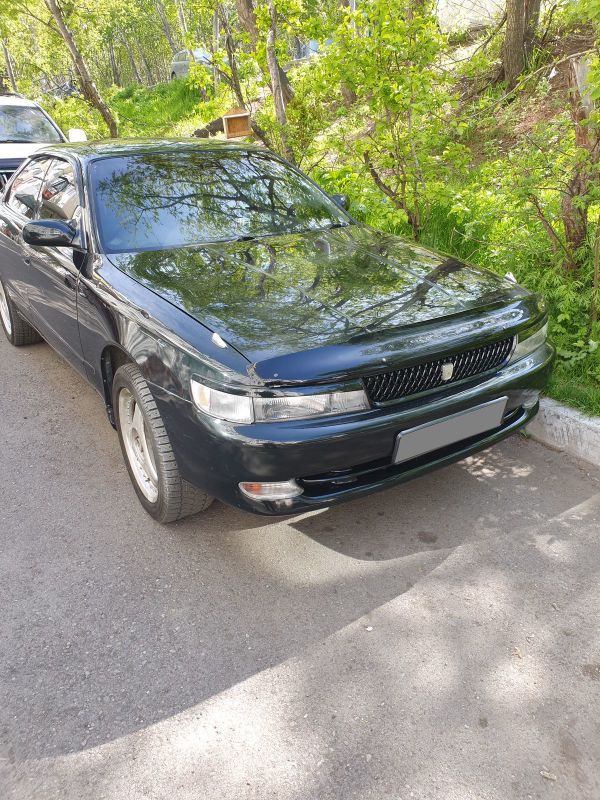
113 623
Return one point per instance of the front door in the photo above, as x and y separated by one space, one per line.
17 210
53 272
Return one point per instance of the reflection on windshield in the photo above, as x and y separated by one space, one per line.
173 199
25 124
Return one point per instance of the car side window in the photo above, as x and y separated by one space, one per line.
24 192
60 196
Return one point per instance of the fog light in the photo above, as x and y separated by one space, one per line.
529 398
282 490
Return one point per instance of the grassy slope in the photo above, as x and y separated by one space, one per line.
167 109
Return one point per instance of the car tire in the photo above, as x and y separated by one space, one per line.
173 76
18 332
147 451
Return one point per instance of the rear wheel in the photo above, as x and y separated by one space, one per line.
17 330
148 453
173 76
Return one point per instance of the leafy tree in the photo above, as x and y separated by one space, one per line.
88 87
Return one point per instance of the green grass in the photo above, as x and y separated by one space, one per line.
167 109
569 386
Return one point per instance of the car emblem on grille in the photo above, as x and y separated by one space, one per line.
447 371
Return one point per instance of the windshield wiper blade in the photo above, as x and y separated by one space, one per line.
338 225
17 141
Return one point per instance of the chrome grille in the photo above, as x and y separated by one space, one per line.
428 375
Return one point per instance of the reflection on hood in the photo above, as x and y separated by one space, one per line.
283 294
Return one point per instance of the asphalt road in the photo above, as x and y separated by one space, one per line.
440 640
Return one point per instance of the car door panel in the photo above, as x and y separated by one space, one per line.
14 214
11 266
53 272
52 293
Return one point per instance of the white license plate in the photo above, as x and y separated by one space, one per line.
442 432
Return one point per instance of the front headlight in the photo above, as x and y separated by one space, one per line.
528 342
269 409
241 408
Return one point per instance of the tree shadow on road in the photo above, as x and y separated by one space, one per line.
114 624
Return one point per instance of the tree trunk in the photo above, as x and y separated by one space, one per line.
116 77
234 80
532 19
9 67
577 197
349 96
166 26
134 70
147 68
513 54
181 17
216 33
88 87
575 204
274 72
247 19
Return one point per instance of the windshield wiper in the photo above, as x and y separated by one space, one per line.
338 225
17 141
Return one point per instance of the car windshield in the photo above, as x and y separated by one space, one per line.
174 199
26 124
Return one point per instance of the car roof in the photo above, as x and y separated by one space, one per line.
90 151
16 100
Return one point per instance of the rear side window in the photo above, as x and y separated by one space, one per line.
25 190
60 197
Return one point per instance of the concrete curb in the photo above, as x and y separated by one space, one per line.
568 430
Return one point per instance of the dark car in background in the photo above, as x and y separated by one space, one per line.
251 341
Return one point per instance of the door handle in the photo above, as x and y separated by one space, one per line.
26 260
67 277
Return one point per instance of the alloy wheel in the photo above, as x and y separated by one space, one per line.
137 445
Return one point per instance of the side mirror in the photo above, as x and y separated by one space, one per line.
340 200
76 135
49 233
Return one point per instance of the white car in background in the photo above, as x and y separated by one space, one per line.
24 128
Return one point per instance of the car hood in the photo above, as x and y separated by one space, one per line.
286 294
15 150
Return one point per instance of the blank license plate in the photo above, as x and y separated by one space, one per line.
442 432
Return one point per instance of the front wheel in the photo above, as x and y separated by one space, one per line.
147 451
18 332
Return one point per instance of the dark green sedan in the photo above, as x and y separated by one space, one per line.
251 341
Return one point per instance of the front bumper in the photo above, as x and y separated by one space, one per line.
339 458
